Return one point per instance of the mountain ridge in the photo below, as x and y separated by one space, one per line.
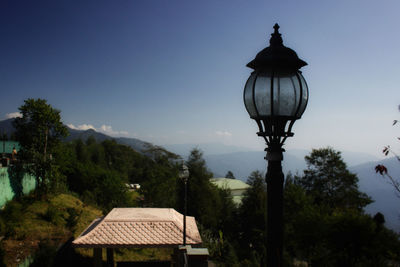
136 144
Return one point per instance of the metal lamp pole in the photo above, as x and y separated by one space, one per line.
184 175
274 179
275 96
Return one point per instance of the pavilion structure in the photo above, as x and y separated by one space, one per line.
137 228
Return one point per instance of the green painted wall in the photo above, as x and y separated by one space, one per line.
7 146
11 184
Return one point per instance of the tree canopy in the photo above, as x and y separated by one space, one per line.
325 223
230 175
330 183
39 131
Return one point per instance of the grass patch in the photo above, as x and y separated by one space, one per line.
27 223
143 254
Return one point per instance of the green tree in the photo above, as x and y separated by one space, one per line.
203 199
299 213
230 175
253 219
213 209
80 151
159 177
330 183
324 220
39 132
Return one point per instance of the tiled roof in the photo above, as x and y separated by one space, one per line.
237 187
139 227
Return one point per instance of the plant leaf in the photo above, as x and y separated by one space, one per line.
381 169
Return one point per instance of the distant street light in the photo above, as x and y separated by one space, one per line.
184 175
275 96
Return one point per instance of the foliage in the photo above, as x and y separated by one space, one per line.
159 177
230 175
330 183
325 224
42 225
203 200
213 208
253 219
99 173
39 132
382 170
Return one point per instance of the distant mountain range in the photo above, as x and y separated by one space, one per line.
207 148
242 163
134 143
386 200
222 158
138 145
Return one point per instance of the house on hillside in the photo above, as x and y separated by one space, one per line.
12 183
237 187
9 150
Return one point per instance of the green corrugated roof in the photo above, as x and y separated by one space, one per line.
7 146
232 184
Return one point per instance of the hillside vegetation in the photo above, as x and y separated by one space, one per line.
31 225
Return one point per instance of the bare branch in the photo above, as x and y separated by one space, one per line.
394 183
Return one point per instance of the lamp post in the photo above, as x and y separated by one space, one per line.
184 175
275 96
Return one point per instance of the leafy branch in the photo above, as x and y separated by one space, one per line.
382 170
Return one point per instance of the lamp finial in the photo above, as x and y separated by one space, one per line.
276 39
276 28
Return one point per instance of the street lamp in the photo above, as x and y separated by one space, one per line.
275 96
184 175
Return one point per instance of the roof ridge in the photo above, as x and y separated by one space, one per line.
137 220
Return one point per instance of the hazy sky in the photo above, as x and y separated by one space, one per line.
169 71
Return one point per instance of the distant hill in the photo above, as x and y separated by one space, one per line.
136 144
206 148
84 135
380 190
222 158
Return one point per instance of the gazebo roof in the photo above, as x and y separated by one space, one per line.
139 227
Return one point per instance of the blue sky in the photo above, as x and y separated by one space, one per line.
169 71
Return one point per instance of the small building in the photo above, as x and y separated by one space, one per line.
237 187
8 154
137 228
